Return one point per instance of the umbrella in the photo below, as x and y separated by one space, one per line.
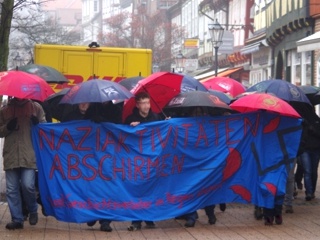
58 111
183 102
282 89
96 90
222 96
225 84
312 93
49 74
188 83
161 86
191 84
24 85
265 101
130 83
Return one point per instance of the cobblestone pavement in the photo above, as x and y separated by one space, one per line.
237 222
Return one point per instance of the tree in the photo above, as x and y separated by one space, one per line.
25 20
8 11
41 29
143 31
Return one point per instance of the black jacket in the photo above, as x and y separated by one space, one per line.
136 117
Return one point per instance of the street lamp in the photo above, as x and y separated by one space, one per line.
180 62
216 34
18 60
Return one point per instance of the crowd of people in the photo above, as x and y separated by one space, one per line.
17 117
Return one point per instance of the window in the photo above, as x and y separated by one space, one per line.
95 6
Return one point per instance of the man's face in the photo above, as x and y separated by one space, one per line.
83 107
144 106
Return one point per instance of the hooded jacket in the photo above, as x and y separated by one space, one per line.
18 149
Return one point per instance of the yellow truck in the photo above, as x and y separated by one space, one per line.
81 63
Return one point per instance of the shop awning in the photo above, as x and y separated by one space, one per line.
229 71
309 43
250 48
209 74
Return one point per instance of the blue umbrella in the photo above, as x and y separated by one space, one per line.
191 84
96 90
282 89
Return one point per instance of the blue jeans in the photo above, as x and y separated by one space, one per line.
310 162
24 179
290 185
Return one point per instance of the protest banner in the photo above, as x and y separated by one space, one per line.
163 169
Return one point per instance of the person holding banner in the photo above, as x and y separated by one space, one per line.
93 112
19 159
142 113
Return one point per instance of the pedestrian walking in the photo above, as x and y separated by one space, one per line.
19 161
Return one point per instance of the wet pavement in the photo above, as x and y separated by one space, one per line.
237 222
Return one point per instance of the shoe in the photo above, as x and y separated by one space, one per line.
289 209
278 219
258 213
134 227
222 206
14 225
92 223
212 220
44 212
190 223
308 198
105 227
268 221
33 218
299 186
150 225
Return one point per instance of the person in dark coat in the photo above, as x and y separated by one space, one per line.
19 160
142 113
93 112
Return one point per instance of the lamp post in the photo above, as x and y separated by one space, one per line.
17 60
180 62
216 34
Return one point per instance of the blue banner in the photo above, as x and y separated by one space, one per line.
163 169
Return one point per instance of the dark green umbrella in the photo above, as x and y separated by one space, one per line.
49 74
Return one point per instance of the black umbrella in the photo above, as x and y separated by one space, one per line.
312 92
130 83
58 111
49 74
183 103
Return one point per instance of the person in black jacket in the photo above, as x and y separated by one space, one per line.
142 113
309 147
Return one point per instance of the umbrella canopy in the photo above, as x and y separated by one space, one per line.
222 96
161 86
57 110
96 90
24 85
263 101
191 84
312 93
49 74
282 89
225 84
184 102
130 83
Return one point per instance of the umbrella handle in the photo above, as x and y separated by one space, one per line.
165 116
